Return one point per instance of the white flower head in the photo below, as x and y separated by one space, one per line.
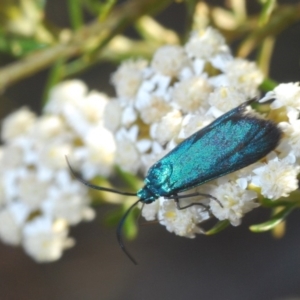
17 124
285 95
127 154
168 128
191 94
129 116
291 135
128 78
205 44
154 109
65 94
235 201
112 115
12 219
44 239
169 60
69 206
182 222
193 123
52 155
149 211
241 74
12 156
225 98
3 198
277 178
93 107
97 156
49 127
31 190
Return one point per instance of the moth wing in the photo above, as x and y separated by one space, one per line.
233 141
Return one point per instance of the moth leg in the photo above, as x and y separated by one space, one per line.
176 199
176 196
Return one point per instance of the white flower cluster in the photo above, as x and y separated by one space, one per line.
158 105
38 198
182 90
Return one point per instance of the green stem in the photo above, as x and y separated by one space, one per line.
114 52
92 36
282 18
106 8
54 77
75 14
275 220
190 10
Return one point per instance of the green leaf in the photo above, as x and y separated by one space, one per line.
268 85
275 220
130 180
113 217
221 225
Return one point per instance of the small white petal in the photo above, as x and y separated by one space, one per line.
45 240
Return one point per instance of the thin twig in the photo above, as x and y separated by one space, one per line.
93 35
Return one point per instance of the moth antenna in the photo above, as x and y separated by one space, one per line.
119 232
96 187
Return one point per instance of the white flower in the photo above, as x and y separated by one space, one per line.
12 219
149 211
128 78
285 94
182 222
127 154
225 98
206 44
2 195
191 94
241 74
84 114
32 191
112 115
11 157
45 240
49 127
68 206
168 128
17 124
93 107
98 153
129 115
169 60
65 94
154 109
277 178
53 154
235 200
193 123
292 135
29 145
